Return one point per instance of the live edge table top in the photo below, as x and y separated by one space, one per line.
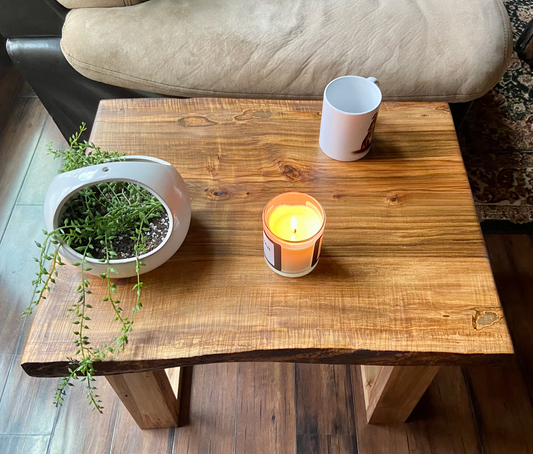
403 277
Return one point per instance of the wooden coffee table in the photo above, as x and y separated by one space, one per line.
403 285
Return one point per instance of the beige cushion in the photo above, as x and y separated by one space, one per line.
420 50
97 3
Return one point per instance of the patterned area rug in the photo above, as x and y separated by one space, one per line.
497 137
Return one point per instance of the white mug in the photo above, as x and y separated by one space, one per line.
349 114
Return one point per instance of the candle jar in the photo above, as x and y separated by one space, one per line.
293 226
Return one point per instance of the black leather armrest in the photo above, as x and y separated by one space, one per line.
31 18
69 97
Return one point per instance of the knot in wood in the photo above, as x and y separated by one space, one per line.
483 319
196 122
262 113
393 199
217 194
249 114
291 173
211 169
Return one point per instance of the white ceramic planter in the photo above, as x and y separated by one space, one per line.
157 176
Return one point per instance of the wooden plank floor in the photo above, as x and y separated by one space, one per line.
240 408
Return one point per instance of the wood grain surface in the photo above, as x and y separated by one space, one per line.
265 413
19 138
503 411
442 422
325 420
11 83
24 444
403 277
392 392
511 258
149 397
212 412
97 433
16 267
129 438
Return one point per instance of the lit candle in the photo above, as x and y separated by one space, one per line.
293 226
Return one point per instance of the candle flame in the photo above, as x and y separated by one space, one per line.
294 224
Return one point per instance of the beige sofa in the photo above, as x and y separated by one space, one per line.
75 55
420 50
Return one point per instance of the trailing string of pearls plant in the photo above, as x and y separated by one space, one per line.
104 221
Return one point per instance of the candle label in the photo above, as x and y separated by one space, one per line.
272 252
316 251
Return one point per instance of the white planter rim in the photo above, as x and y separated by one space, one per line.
158 177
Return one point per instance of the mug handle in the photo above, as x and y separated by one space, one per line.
373 80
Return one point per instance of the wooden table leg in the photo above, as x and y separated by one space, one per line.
152 398
392 392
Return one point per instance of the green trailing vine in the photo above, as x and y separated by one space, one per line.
95 223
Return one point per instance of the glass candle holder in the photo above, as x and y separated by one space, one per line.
293 227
